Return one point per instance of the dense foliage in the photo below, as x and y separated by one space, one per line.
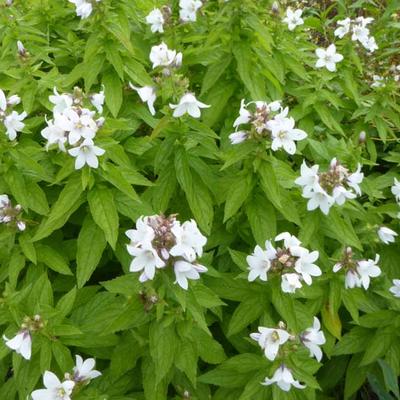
248 120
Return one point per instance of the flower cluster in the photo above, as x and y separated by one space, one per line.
83 7
159 241
162 56
279 342
324 189
358 272
12 120
83 373
291 261
267 120
10 215
293 18
359 31
22 341
74 125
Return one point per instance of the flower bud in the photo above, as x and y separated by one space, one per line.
361 138
275 8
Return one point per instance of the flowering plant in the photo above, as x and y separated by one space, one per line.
199 199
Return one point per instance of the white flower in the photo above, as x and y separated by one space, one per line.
370 44
284 379
244 115
289 240
308 177
304 264
364 21
188 9
386 235
143 235
185 270
97 101
360 33
21 48
14 100
355 179
148 95
328 58
340 194
284 134
259 264
55 389
83 370
79 126
269 340
21 225
188 104
21 343
13 124
146 259
396 189
4 201
395 290
344 28
293 18
54 135
61 101
238 137
156 20
290 282
3 101
368 269
161 56
378 81
312 338
86 153
189 240
352 279
319 199
83 8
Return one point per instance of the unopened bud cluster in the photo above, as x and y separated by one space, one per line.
9 215
159 241
291 261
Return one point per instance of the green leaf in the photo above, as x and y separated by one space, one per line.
112 92
197 194
246 313
113 175
237 195
331 320
104 213
341 229
53 259
91 244
68 201
162 341
262 219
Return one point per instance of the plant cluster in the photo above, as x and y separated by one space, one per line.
179 177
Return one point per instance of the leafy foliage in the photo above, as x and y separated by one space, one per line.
70 265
